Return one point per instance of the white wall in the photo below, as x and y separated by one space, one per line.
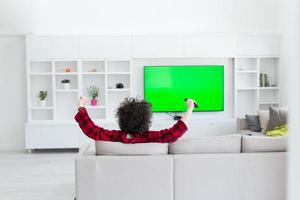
138 16
13 92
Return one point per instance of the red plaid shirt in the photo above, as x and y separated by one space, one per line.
97 133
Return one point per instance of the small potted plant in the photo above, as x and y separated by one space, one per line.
93 92
42 96
66 83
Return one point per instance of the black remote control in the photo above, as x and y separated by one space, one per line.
195 104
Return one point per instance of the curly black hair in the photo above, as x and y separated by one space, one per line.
134 115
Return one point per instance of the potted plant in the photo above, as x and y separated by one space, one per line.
42 96
66 83
93 92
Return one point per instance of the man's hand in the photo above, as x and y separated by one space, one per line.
190 104
82 101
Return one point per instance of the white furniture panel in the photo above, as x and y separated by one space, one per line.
105 47
210 176
209 46
40 47
258 45
51 136
157 47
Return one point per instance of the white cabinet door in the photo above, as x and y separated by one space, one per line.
105 47
157 46
209 46
43 137
259 45
41 47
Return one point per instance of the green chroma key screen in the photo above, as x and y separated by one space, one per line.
165 87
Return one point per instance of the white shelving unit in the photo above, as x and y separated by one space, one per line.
249 96
107 60
61 104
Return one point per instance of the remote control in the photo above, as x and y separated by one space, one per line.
195 104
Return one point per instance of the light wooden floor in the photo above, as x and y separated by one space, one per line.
37 176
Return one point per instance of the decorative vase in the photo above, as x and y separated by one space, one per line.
93 102
42 103
67 86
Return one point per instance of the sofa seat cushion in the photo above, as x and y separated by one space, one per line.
118 148
263 144
212 144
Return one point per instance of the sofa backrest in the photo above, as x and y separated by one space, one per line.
214 144
118 148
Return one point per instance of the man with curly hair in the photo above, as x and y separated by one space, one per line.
134 118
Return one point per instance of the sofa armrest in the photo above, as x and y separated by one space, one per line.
87 150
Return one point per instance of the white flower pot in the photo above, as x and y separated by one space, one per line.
42 103
67 86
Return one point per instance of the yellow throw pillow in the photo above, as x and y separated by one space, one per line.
278 131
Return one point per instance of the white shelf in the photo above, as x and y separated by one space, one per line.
119 90
61 103
247 88
41 107
117 73
63 90
247 72
249 96
93 73
95 107
269 88
41 74
268 102
66 73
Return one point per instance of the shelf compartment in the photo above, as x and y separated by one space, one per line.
40 67
73 81
99 81
113 79
246 64
118 66
41 114
60 66
41 83
66 105
269 95
246 80
88 66
96 112
269 66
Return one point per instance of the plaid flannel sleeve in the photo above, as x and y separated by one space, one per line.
168 135
90 129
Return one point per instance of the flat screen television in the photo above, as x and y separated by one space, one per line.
165 87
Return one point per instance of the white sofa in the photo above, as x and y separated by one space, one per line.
191 171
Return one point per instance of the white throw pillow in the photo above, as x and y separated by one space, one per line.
263 144
118 148
212 144
263 118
